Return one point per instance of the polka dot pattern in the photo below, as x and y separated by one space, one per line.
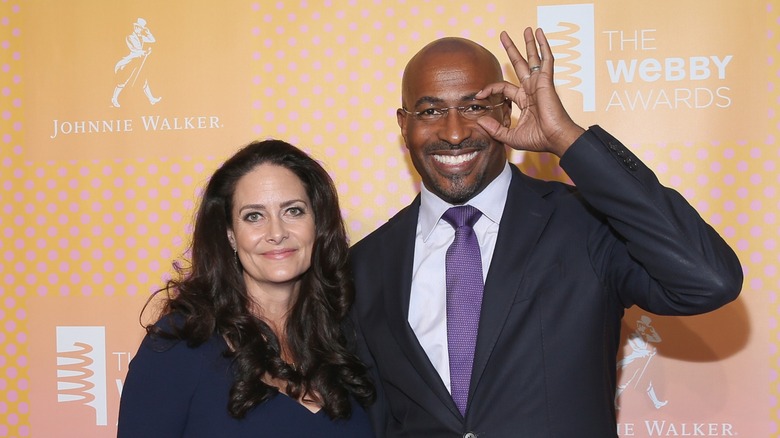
754 201
328 78
18 250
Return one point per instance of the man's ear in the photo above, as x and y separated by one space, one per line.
400 116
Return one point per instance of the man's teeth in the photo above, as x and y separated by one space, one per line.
454 159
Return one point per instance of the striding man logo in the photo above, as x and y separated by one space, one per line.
81 369
571 33
129 70
634 365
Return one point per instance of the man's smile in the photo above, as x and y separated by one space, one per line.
455 160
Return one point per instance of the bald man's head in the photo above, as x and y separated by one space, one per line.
441 53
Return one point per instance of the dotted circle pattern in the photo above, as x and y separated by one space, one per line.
16 253
757 213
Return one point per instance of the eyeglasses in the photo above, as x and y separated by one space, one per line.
470 112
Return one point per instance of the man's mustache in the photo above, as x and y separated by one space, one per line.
441 146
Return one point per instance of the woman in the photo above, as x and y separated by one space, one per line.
250 341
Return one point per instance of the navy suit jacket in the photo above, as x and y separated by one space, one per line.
567 263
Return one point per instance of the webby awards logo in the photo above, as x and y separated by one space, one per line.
80 359
639 69
81 369
570 32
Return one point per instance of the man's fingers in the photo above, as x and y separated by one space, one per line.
517 60
530 49
491 89
544 47
504 89
494 128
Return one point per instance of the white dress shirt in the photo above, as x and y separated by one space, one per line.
428 301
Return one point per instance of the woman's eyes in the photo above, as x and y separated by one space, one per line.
295 211
253 217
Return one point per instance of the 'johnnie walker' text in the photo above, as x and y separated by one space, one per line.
150 123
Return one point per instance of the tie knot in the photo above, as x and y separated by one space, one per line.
463 215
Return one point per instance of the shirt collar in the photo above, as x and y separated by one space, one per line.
489 201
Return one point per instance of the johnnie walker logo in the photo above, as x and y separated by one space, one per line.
133 93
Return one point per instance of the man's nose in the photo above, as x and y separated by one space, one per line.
455 128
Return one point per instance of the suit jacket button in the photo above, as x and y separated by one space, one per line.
469 435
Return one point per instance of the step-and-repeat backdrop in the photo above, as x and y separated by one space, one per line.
113 114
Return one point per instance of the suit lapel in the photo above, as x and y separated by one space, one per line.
525 216
398 244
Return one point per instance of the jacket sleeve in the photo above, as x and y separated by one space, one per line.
667 260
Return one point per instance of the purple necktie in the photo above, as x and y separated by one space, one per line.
464 299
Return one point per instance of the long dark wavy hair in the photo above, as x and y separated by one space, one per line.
209 296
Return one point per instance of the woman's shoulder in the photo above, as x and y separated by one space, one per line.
166 335
164 377
170 323
164 357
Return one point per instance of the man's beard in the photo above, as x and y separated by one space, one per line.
457 191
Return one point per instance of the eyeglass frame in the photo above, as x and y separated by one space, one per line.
445 111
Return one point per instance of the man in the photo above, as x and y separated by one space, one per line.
559 264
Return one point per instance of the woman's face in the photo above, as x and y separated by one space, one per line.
273 228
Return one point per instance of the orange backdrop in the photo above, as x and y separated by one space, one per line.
103 154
